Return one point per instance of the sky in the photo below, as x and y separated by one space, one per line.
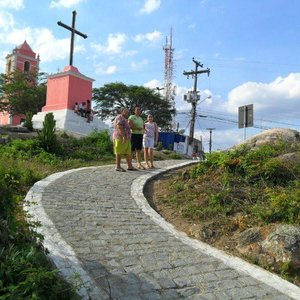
252 48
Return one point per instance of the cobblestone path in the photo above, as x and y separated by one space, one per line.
101 233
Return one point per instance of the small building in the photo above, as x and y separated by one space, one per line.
23 59
179 143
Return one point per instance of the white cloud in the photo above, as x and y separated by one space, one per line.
48 47
17 36
129 53
139 65
100 69
9 4
6 20
153 84
150 6
114 44
150 37
280 97
42 42
179 102
65 3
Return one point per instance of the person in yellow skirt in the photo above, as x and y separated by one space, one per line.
121 140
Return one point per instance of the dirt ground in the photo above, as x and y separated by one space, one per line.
214 232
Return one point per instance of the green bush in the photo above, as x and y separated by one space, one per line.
28 121
174 155
20 149
47 136
47 158
96 146
159 146
283 205
25 272
251 180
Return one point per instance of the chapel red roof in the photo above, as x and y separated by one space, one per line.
25 49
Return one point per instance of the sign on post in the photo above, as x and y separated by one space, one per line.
246 116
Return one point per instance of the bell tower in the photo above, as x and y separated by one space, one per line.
22 59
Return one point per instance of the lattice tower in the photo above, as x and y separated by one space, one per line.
169 89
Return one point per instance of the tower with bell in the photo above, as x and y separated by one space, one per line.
21 59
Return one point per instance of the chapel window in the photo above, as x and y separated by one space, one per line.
26 66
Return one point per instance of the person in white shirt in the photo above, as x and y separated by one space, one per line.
150 139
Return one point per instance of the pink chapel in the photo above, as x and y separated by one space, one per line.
64 89
23 59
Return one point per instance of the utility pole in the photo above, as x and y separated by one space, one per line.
210 134
194 95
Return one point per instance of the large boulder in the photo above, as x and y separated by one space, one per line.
272 246
270 136
283 244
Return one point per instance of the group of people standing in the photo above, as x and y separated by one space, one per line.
131 134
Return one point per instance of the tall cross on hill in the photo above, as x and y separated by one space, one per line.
73 31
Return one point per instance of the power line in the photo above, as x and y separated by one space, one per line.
212 113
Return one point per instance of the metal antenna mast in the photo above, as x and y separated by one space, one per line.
169 89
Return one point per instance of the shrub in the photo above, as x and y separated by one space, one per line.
174 155
159 146
28 121
25 272
283 205
96 146
47 136
21 149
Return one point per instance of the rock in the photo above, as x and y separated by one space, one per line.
284 245
207 233
271 246
248 236
272 136
289 158
185 175
248 242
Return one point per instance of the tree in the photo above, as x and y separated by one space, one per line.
22 92
113 96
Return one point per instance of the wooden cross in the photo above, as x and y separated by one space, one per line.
73 31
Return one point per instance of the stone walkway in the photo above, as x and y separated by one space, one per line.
102 235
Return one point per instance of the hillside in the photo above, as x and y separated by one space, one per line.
245 200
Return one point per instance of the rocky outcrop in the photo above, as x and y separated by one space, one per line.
271 246
272 136
283 244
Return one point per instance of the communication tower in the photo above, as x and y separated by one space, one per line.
169 88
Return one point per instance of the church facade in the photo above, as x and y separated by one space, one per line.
22 59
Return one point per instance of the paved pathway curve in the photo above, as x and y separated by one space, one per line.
101 232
